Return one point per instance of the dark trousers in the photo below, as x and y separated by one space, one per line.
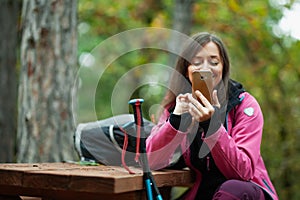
239 190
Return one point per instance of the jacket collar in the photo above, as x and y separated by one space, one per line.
234 90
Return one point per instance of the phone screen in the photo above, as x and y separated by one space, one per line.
202 81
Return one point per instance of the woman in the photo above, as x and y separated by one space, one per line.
219 141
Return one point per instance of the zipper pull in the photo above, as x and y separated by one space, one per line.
202 135
207 163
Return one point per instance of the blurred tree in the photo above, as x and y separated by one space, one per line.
182 22
48 61
98 21
9 21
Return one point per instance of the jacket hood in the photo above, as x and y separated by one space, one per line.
234 90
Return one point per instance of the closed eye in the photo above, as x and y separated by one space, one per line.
214 61
198 62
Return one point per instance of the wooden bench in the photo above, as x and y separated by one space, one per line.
74 181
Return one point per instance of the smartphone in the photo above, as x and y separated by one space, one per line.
202 81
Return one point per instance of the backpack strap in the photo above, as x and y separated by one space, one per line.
124 151
112 138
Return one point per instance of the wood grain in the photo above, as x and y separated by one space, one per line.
65 179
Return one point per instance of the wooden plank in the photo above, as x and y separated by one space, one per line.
62 195
174 178
9 177
91 179
100 179
38 194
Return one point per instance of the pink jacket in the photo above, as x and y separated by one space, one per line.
236 151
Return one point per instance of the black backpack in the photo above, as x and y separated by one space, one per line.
102 141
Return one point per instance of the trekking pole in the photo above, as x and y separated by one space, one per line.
141 146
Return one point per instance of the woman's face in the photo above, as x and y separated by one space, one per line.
208 58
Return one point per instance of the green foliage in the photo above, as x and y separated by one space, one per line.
268 66
99 20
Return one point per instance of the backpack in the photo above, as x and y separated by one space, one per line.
102 141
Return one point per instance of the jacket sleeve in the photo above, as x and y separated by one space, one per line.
237 151
163 142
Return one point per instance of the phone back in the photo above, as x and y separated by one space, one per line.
202 81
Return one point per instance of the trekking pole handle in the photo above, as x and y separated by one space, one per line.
136 106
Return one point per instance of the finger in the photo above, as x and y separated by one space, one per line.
183 97
195 113
199 111
195 103
215 99
180 96
200 116
192 99
198 108
203 99
205 107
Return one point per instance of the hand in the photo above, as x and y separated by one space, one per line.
182 104
202 111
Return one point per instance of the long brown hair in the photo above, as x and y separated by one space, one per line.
179 82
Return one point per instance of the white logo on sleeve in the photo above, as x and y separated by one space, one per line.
249 111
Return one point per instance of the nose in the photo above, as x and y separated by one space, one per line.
205 65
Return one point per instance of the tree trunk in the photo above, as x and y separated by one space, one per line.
182 17
49 62
182 22
9 18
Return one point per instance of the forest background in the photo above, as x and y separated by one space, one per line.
264 58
